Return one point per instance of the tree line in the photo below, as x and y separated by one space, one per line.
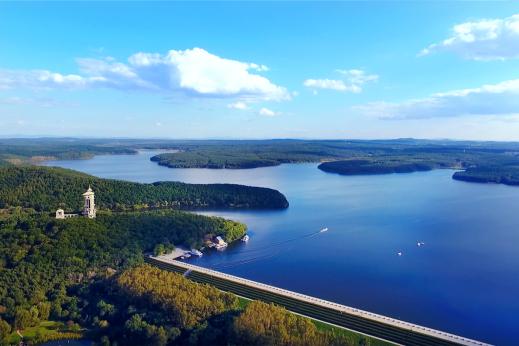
46 189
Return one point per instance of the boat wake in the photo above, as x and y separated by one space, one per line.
266 252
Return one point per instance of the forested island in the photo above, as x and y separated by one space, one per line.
360 167
508 175
45 188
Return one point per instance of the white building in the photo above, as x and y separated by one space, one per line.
220 243
60 214
89 209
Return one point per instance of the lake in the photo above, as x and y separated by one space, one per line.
464 279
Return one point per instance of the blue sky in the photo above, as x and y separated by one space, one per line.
260 69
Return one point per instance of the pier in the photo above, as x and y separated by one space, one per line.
364 322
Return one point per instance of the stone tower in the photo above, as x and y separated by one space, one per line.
60 214
89 210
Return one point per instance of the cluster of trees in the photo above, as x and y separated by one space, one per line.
379 166
45 189
506 174
247 154
268 324
41 258
186 302
168 227
147 306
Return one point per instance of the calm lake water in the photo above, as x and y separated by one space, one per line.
464 280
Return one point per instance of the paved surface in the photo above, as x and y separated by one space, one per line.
365 322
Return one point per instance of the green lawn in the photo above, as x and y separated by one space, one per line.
358 339
48 330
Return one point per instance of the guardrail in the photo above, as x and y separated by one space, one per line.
452 338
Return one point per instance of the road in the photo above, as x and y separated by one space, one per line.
365 322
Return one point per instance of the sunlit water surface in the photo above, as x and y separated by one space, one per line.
464 280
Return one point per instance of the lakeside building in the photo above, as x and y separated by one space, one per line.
89 207
220 243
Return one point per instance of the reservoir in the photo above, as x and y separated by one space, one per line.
463 279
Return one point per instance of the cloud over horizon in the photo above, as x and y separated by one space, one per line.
352 81
486 39
268 112
194 72
501 99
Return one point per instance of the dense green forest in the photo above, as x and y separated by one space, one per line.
384 156
42 258
243 155
88 276
46 189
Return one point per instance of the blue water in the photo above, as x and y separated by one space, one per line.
464 280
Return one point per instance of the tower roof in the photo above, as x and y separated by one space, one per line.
89 191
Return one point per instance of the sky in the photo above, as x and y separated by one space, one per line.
342 70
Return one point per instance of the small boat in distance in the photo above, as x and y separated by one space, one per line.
245 238
197 253
399 253
323 230
420 243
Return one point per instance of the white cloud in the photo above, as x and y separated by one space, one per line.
16 100
194 72
352 81
358 77
332 84
267 112
487 39
238 105
40 79
500 99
